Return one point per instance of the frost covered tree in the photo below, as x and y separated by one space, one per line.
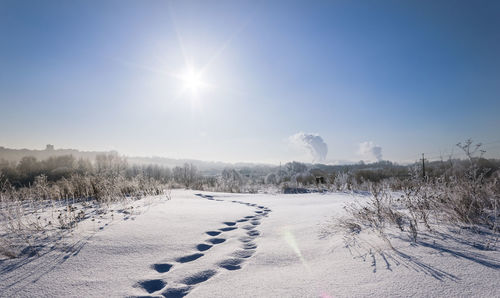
271 178
186 175
110 164
231 180
295 167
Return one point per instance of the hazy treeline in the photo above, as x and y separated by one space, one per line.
107 178
15 155
244 179
209 168
28 168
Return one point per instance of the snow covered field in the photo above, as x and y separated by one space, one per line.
239 245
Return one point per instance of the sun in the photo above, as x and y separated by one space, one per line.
192 80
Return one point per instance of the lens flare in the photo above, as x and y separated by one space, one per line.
290 240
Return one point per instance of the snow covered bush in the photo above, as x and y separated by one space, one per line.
271 178
187 175
341 182
38 213
462 196
230 180
469 195
377 213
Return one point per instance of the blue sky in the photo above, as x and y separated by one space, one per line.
408 76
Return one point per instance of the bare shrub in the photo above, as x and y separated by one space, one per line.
467 196
463 195
375 214
39 213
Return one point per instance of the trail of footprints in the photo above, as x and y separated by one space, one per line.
234 262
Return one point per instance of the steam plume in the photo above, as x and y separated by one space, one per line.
311 142
370 151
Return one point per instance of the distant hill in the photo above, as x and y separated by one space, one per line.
203 166
15 155
382 168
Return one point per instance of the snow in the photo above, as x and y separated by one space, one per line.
277 249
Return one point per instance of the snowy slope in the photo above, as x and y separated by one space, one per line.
226 245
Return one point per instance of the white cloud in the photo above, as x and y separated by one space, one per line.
313 143
370 151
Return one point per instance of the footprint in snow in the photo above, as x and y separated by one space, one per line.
199 277
248 250
152 285
253 233
203 247
216 240
249 245
245 239
247 253
189 258
234 263
162 267
227 229
231 264
176 292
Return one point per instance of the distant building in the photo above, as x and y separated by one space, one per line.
320 180
49 147
319 175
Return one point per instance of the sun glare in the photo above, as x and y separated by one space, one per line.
192 80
